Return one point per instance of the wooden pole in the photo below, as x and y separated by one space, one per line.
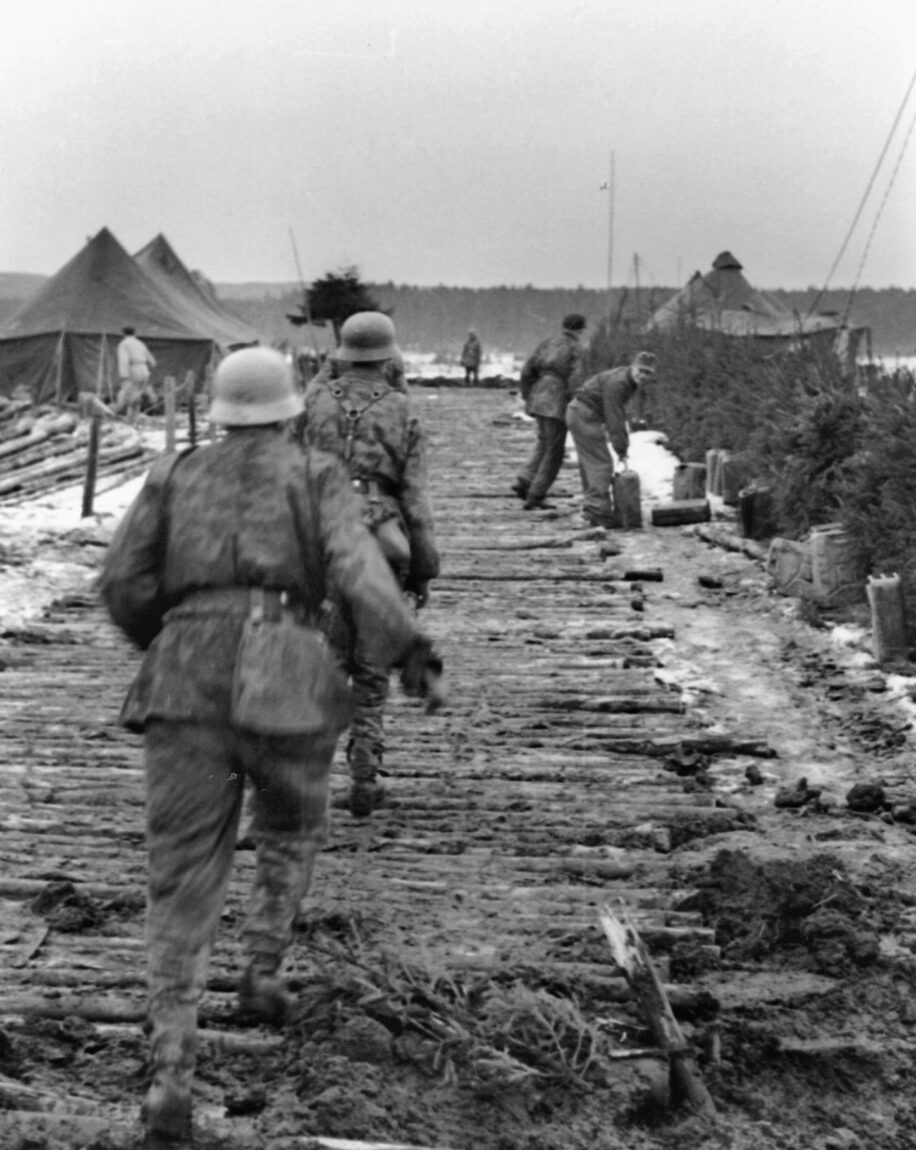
92 464
190 383
631 956
169 396
59 377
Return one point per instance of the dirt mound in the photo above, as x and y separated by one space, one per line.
806 912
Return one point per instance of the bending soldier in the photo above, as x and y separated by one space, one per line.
218 572
598 413
367 422
548 379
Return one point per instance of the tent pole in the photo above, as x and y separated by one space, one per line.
58 382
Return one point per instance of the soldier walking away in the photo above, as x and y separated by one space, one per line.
135 362
548 378
218 572
366 421
597 413
471 355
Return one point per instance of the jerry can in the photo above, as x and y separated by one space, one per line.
689 481
837 568
627 499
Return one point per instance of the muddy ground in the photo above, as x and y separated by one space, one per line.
611 738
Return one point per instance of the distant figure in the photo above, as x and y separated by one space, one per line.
135 361
471 355
548 379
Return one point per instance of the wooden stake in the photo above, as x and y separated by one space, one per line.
169 394
92 463
631 956
190 383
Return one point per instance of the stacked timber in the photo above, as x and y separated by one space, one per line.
44 449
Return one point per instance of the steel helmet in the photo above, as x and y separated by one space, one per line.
367 337
254 386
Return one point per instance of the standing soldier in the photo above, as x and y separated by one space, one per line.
218 572
135 362
365 420
471 355
548 379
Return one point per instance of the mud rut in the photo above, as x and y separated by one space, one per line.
536 797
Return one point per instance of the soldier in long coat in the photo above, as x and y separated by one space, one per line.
367 421
548 380
218 571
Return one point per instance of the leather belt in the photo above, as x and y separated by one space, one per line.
259 602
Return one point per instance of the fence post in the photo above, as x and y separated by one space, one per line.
92 465
169 392
190 383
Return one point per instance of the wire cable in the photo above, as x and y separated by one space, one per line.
878 214
861 207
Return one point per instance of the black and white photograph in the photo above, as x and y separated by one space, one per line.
457 575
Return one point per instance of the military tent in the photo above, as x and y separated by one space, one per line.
161 263
724 301
64 339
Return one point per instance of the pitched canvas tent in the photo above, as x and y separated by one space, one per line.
161 263
723 301
64 339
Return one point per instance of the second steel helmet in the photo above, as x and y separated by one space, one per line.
367 337
254 386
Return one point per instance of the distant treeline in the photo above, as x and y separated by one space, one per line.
513 319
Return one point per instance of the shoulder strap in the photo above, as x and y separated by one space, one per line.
352 411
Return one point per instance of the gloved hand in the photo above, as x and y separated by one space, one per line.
421 674
419 588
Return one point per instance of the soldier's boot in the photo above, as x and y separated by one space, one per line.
285 862
263 997
366 793
166 1111
520 488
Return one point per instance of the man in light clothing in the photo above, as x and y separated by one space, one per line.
135 361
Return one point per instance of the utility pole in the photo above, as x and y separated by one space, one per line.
609 185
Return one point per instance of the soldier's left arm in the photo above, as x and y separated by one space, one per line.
354 567
131 583
416 508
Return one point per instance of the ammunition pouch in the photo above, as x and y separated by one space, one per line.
383 517
287 680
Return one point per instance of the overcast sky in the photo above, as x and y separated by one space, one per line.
463 141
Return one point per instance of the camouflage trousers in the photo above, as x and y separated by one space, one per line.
366 745
543 466
195 778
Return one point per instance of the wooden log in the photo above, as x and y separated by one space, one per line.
632 957
644 574
680 512
22 443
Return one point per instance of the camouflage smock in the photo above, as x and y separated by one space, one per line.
369 425
250 510
551 374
